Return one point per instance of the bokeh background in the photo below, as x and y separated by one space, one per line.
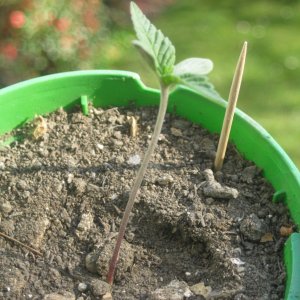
44 37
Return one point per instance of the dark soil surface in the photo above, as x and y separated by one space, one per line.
194 234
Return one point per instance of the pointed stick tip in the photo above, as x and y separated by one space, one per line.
229 114
244 49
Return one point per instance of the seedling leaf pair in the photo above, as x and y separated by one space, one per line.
160 54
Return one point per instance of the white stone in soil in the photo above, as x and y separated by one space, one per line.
82 287
200 289
134 160
237 261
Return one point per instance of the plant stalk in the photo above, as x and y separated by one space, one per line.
164 96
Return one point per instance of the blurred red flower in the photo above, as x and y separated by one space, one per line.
10 51
62 24
17 19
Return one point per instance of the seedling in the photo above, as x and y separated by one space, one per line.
159 52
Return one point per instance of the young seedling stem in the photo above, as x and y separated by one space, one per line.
139 177
232 100
160 54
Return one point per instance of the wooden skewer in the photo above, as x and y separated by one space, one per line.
21 244
232 100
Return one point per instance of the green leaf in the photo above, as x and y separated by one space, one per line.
152 43
196 66
200 84
144 53
191 72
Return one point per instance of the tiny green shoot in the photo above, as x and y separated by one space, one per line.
159 52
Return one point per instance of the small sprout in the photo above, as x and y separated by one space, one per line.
159 52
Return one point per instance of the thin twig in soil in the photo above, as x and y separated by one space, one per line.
21 244
230 232
104 181
173 189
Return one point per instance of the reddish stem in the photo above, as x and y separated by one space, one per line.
139 178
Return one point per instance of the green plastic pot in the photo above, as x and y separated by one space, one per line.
21 102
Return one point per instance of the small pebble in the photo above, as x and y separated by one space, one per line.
99 287
129 237
107 296
176 132
70 178
90 262
6 207
134 160
82 287
118 143
22 185
252 228
118 135
165 180
237 261
201 289
209 201
249 174
86 222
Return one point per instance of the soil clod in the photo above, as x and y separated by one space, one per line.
212 188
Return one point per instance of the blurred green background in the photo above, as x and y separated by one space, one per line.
214 29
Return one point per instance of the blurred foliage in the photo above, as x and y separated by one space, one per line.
52 36
42 37
215 29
